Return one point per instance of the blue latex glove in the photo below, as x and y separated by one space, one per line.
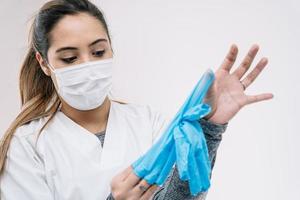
183 143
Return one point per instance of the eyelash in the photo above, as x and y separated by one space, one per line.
101 53
71 59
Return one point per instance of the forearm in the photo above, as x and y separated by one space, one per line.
176 189
213 134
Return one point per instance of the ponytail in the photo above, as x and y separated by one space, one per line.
38 99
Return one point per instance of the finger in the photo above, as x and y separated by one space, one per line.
148 194
256 98
141 188
124 174
255 72
246 63
230 58
120 177
132 180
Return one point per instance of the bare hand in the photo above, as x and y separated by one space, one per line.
128 186
226 96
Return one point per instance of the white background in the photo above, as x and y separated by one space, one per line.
163 46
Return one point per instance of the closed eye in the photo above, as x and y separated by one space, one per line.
69 59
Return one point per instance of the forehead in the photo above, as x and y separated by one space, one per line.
77 30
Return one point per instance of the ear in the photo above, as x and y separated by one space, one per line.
43 64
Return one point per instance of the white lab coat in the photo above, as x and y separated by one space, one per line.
68 162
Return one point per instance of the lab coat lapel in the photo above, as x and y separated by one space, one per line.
113 152
80 138
114 148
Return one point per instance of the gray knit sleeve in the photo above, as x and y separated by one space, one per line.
176 189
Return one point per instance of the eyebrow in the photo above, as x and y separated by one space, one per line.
74 48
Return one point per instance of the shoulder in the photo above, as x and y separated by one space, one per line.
26 136
30 129
22 147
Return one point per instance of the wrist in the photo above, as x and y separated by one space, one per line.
216 118
211 114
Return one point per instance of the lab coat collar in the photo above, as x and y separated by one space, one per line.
113 152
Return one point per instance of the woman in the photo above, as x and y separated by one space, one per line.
53 149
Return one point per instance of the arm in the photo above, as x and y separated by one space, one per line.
176 189
23 176
173 185
224 95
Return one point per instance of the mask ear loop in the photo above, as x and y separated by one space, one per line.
113 97
50 67
53 71
110 94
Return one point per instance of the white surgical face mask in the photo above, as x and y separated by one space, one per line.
84 86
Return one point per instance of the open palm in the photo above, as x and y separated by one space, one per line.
227 95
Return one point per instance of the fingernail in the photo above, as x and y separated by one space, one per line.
264 59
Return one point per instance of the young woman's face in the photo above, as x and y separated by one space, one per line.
77 39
